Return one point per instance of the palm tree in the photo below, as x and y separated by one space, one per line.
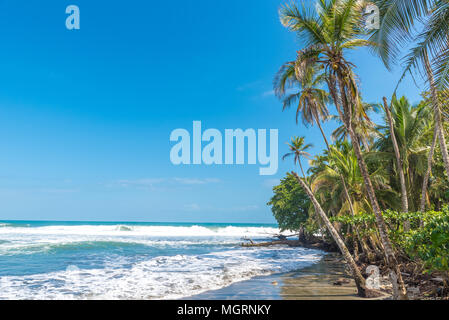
425 183
399 20
339 161
311 99
364 128
399 163
358 278
329 30
437 115
298 149
410 126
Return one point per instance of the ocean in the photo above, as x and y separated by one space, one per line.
129 260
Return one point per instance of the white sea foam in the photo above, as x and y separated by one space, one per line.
22 240
163 277
180 260
156 231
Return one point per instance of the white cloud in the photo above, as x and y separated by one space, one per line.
268 93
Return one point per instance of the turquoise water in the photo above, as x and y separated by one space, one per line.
131 260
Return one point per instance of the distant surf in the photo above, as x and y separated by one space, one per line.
81 260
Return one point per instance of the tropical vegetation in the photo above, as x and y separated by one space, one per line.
380 189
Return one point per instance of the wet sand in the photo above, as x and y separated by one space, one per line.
312 283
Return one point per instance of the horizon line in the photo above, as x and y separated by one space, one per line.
111 221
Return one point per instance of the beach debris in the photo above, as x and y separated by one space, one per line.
413 292
282 237
439 280
248 239
394 283
341 281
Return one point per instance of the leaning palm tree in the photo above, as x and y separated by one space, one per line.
311 99
340 161
329 30
358 278
298 148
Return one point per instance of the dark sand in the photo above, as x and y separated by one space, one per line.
311 283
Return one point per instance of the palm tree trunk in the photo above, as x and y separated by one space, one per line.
429 169
351 207
332 90
348 198
404 198
437 113
354 244
318 122
303 174
388 248
358 278
365 144
376 245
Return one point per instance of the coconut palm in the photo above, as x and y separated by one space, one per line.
364 128
341 160
311 100
425 183
398 28
329 30
326 183
399 162
410 125
431 53
298 148
358 278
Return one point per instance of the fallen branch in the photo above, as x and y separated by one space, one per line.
292 243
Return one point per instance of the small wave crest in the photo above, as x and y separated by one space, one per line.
124 228
163 277
14 225
140 230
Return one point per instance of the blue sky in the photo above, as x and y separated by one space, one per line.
86 115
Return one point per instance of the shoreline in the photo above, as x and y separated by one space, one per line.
315 282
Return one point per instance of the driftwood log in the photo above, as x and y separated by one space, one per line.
291 243
311 244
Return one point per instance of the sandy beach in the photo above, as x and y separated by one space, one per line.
311 283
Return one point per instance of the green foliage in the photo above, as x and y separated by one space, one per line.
427 240
330 29
290 204
431 242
